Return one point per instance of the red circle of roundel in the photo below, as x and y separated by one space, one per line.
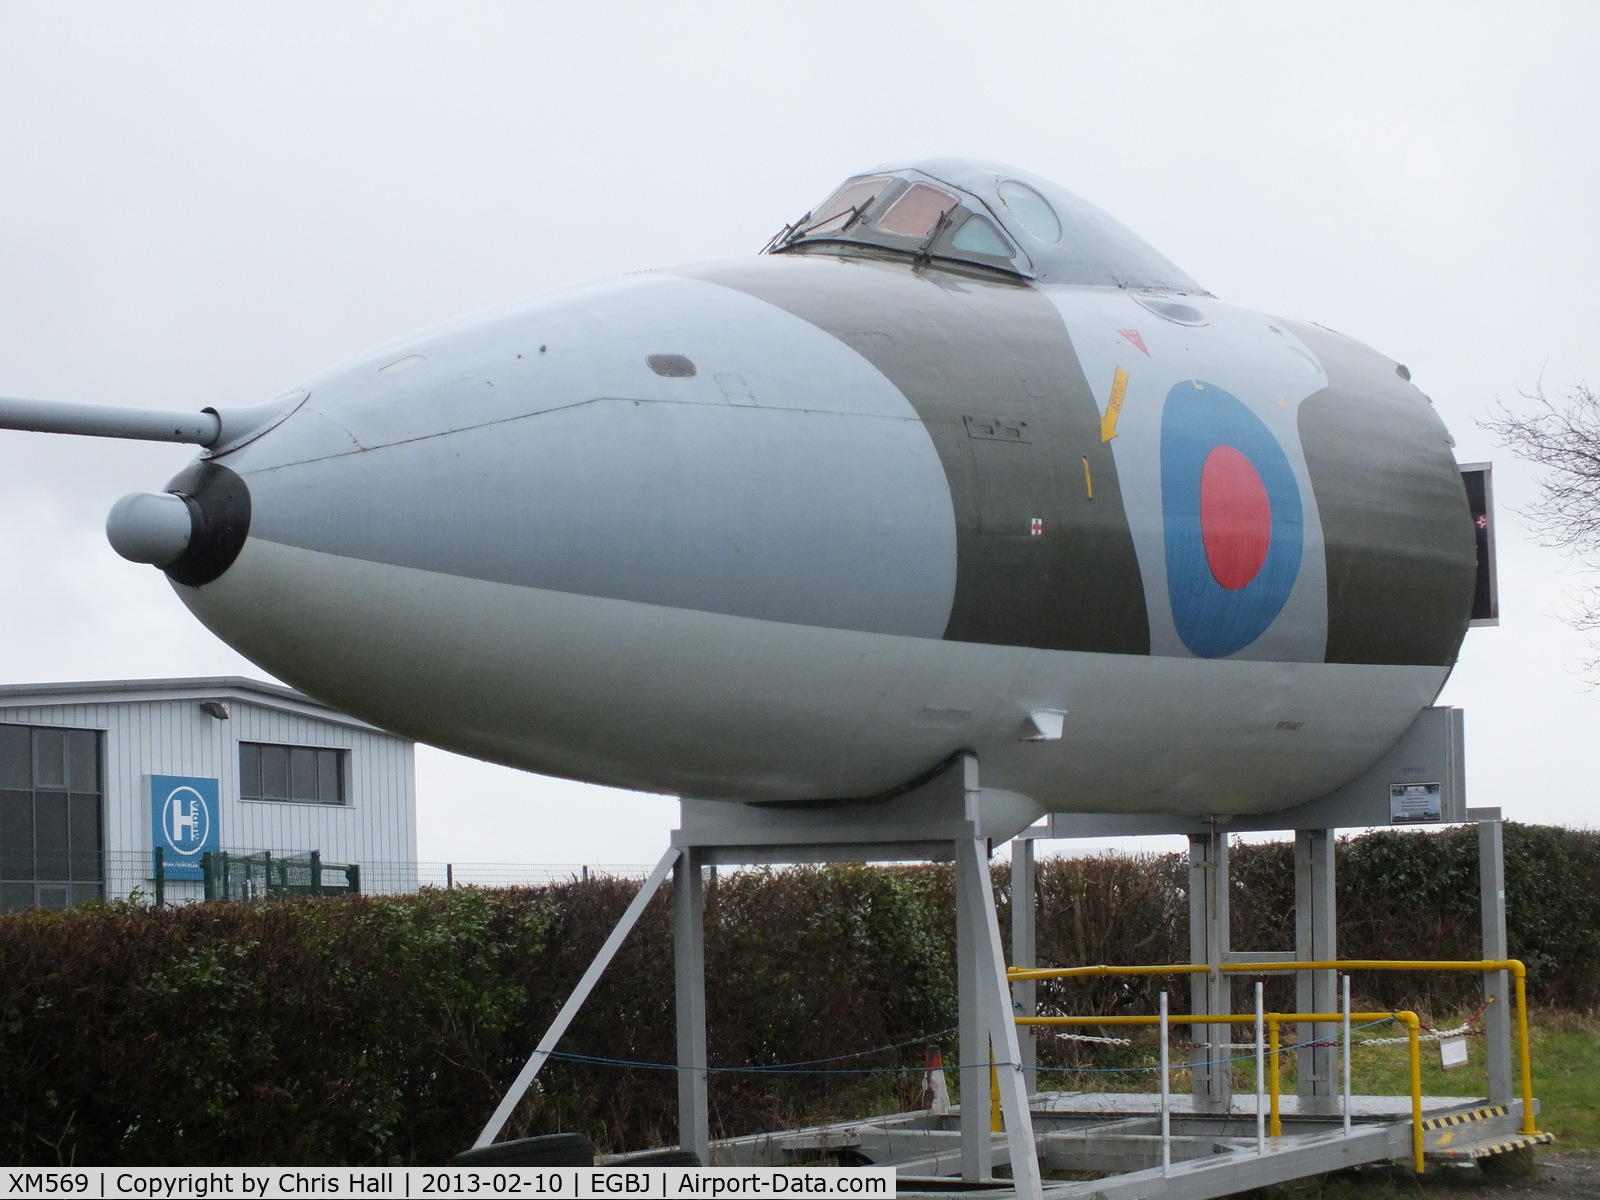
1235 517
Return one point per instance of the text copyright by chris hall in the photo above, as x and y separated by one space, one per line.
541 1183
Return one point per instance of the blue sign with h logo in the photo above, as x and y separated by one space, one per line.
183 818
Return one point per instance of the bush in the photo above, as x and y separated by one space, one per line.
293 1031
384 1030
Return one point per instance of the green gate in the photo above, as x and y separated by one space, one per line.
260 876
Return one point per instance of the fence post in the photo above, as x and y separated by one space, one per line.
352 874
208 884
161 878
316 872
266 873
449 876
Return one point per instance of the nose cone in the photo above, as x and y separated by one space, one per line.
193 531
150 528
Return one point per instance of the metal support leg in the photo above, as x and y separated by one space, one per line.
977 1158
1208 944
1496 984
1024 995
996 1021
689 963
1316 940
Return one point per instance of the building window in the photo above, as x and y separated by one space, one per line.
51 814
291 774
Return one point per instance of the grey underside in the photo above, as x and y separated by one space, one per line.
717 706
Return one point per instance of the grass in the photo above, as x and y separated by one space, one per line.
1566 1075
1565 1048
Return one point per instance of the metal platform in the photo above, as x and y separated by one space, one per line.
1112 1140
1106 1145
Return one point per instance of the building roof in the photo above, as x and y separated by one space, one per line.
206 687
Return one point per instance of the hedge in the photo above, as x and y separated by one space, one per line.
383 1029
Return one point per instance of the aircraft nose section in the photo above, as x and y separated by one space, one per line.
193 531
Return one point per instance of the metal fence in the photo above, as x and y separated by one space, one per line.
444 874
227 876
259 874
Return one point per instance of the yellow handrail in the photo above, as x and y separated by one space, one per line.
1413 1029
1274 1020
1518 971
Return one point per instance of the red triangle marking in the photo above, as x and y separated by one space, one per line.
1133 336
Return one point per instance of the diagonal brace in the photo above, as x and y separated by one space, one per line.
995 1014
569 1010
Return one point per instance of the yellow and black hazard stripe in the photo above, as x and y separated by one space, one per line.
1490 1149
1462 1118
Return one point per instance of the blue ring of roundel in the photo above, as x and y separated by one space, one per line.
1212 620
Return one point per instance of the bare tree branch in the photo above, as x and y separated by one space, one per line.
1563 438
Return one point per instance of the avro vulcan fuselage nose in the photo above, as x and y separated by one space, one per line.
961 460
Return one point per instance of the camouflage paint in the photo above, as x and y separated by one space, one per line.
1400 554
989 367
1142 365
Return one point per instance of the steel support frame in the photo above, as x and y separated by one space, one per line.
1496 984
689 970
1024 953
1210 994
1316 931
1316 939
973 1036
888 832
941 820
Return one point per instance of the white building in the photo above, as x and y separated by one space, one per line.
95 776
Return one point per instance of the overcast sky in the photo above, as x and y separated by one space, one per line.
204 204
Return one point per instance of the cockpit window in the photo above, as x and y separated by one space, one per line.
917 211
905 213
979 236
846 204
1032 210
963 215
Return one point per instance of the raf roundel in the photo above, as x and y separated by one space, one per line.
1232 517
1235 518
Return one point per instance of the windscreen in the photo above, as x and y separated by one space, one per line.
846 205
917 211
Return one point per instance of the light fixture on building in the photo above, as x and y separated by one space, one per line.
214 708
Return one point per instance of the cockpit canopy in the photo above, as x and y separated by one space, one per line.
986 215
